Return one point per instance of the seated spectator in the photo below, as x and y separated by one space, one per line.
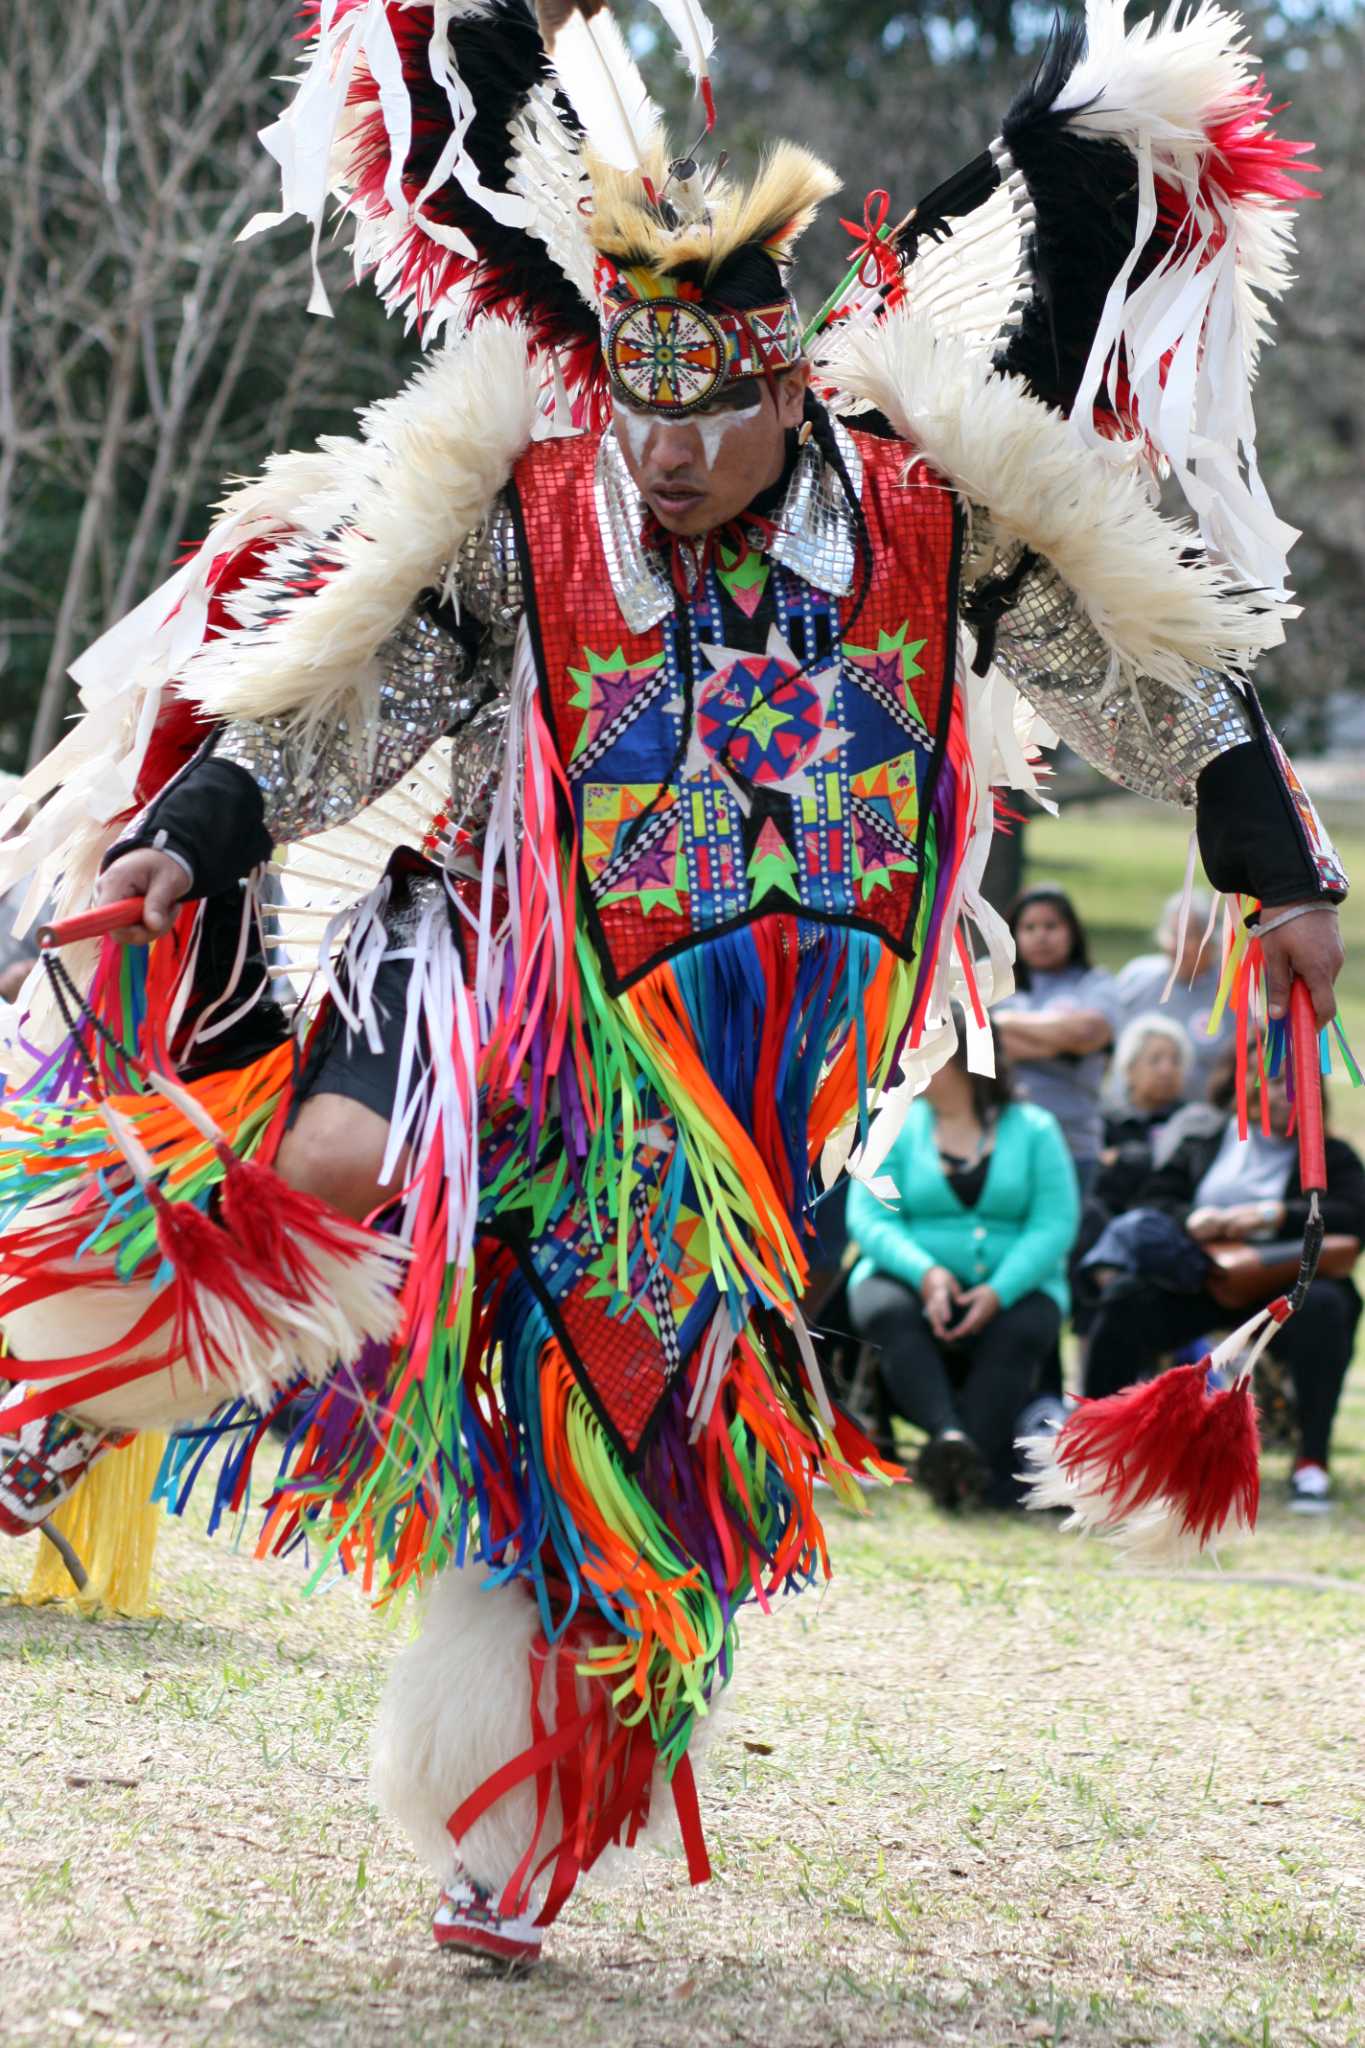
1215 1187
1141 986
962 1280
1153 1062
1058 1025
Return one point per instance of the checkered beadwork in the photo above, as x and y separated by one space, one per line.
627 1342
746 755
41 1463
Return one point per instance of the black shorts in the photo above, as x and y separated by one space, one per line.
342 1061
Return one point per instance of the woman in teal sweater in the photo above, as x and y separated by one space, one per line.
962 1279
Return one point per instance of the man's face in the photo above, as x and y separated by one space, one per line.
697 472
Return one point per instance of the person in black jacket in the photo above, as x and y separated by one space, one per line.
1214 1185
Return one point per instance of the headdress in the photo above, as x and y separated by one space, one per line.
670 341
492 160
1115 248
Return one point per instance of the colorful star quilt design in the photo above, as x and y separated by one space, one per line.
885 825
609 694
892 665
653 874
607 809
760 718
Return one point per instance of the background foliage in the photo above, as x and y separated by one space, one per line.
145 355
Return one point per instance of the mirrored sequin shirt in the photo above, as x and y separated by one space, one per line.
437 677
446 668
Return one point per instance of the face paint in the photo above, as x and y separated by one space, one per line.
714 426
635 428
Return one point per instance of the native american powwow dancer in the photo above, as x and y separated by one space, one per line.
622 708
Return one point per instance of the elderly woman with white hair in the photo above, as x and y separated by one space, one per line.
1149 1083
1141 985
1154 1062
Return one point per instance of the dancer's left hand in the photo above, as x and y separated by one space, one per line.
1309 947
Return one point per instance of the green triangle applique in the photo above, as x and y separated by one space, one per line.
772 866
744 578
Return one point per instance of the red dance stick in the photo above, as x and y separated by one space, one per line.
1303 1035
92 924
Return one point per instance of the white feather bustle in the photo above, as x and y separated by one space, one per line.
391 505
61 819
457 1707
546 169
1002 448
405 494
1191 333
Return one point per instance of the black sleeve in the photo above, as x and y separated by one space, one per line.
1258 834
212 816
1343 1206
1171 1187
1120 1184
461 624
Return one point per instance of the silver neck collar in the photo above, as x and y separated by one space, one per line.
815 538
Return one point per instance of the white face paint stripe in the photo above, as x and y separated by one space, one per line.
635 428
714 426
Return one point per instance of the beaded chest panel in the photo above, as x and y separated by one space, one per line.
747 755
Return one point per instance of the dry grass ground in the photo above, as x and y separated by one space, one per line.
990 1788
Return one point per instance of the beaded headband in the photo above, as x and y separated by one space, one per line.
675 354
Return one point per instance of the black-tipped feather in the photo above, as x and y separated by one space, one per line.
1035 102
956 197
1084 193
499 55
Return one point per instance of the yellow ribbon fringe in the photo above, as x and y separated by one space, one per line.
111 1525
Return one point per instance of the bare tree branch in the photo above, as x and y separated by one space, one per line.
143 352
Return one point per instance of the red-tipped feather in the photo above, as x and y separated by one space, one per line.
221 1327
1216 1479
333 1284
1163 1466
1129 1444
1250 161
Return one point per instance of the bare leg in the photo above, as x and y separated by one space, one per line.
335 1149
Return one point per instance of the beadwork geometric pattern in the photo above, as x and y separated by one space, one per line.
741 757
666 354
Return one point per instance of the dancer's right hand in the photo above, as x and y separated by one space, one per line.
159 878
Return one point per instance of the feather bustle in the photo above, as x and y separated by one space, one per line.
1162 614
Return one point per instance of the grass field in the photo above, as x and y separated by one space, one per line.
991 1788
